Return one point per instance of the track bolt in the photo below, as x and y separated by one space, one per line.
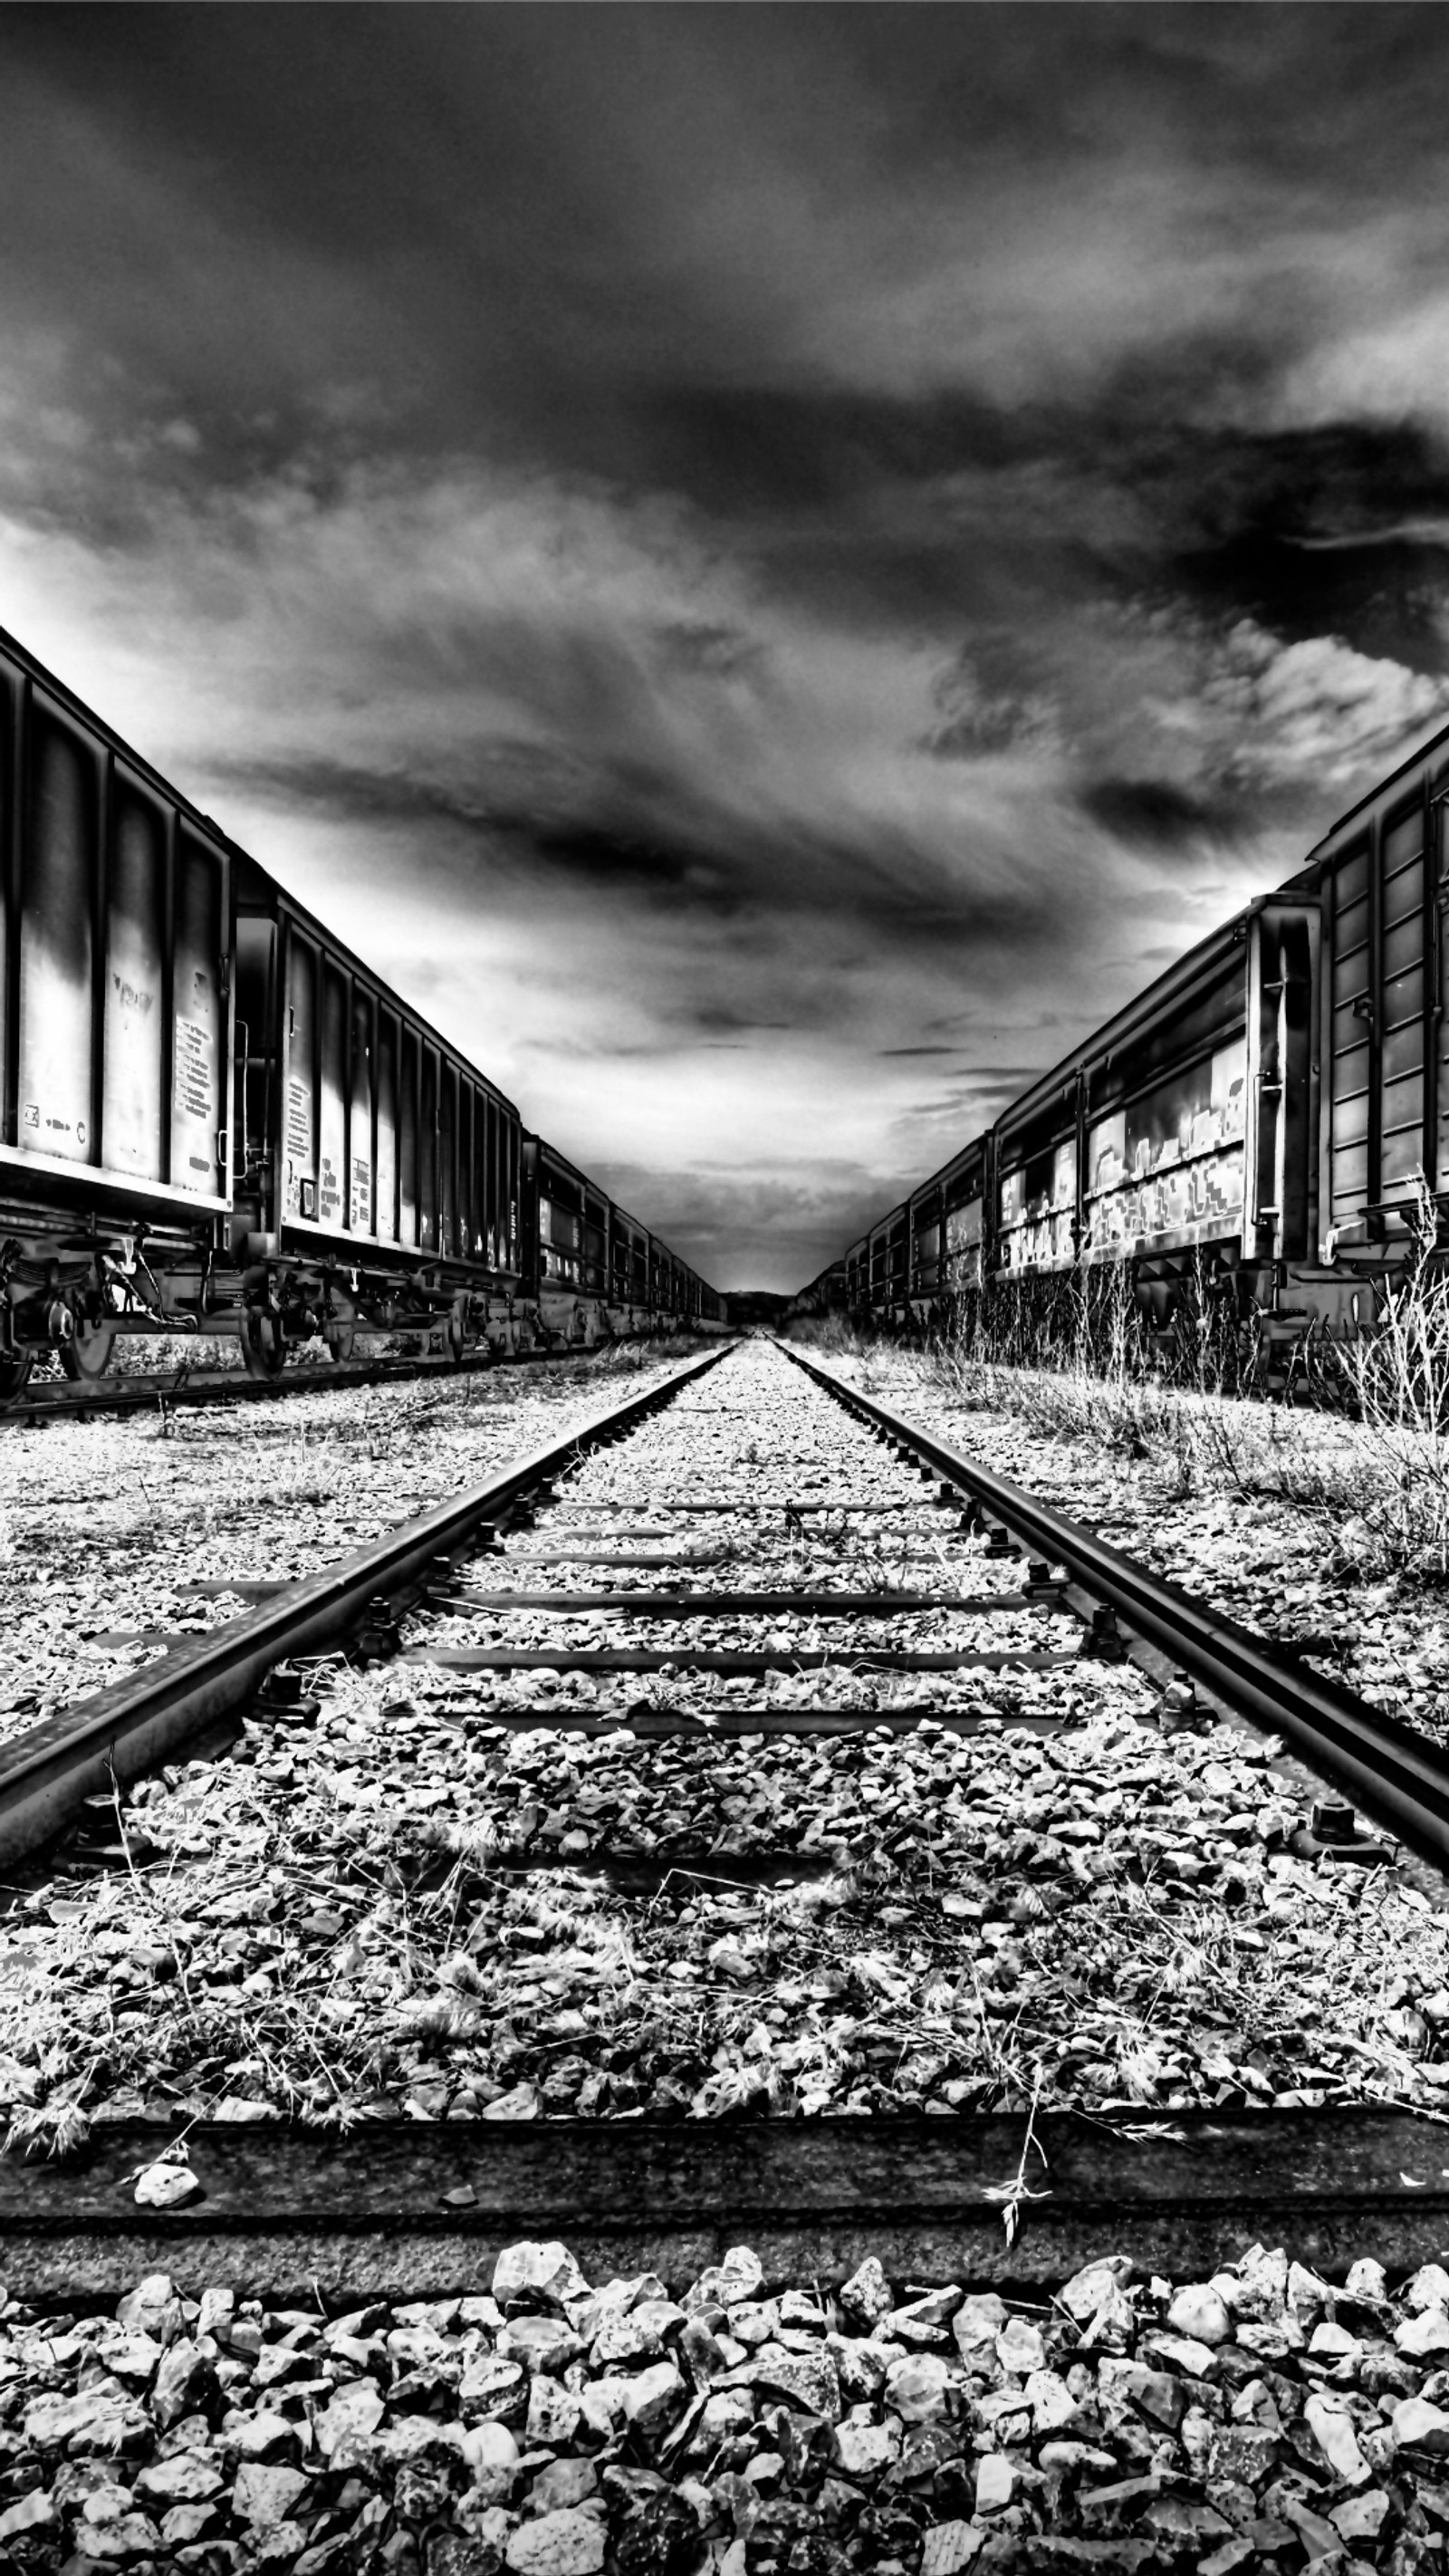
1102 1643
379 1635
440 1583
1332 1821
1041 1583
1177 1712
486 1539
281 1693
997 1542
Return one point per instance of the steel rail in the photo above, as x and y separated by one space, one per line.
134 1724
1390 1772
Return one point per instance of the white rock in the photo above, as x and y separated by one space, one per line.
1427 2332
1200 2312
949 2546
489 2446
529 2270
1429 2288
1332 2429
265 2494
166 2186
1367 2280
1089 2289
351 2413
995 2482
553 2411
916 2388
1019 2347
652 2397
1052 2403
567 2543
1419 2425
33 2512
864 2449
867 2294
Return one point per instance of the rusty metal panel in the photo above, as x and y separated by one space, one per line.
59 861
134 1023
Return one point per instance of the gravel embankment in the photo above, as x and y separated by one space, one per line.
104 1521
402 1907
1263 2419
1299 1572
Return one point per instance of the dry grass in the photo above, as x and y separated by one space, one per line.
1370 1469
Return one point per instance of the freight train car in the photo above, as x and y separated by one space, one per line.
214 1117
1263 1118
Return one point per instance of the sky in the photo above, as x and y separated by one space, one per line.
769 566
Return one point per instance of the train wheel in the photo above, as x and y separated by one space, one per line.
14 1376
264 1353
87 1355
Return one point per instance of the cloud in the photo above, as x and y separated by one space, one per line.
735 551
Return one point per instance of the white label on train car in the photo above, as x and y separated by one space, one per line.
329 1190
195 1093
359 1217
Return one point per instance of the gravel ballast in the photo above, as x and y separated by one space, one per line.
1247 1505
408 1906
741 2425
105 1521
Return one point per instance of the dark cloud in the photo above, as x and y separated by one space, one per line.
730 545
1151 812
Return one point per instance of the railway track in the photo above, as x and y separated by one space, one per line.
747 1704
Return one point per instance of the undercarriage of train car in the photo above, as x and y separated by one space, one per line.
75 1283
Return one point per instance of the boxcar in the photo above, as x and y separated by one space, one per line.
376 1172
115 1032
214 1116
1177 1135
567 1231
1379 879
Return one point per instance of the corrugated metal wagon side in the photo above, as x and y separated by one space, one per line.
377 1174
115 1036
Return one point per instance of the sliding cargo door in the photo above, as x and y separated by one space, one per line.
300 1129
332 1099
385 1213
59 862
198 1064
134 1015
407 1140
1402 998
428 1152
359 1117
1380 926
